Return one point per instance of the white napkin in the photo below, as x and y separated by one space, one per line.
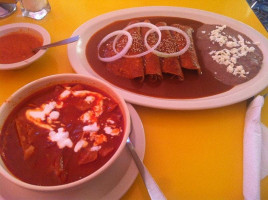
255 160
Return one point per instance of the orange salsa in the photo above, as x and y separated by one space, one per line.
17 46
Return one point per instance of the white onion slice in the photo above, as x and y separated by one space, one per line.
149 49
175 54
118 54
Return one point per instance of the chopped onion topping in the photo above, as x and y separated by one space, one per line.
118 54
175 54
149 49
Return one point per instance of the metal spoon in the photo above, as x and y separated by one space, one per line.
152 187
54 44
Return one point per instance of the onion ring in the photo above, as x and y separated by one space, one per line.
175 54
118 54
149 49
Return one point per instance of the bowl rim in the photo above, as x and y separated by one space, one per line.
46 40
56 80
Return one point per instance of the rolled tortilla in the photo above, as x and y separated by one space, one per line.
131 68
152 65
169 65
189 59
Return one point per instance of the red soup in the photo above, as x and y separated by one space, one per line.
61 134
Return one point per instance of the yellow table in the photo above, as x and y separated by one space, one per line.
191 154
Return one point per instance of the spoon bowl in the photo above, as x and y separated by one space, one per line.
29 28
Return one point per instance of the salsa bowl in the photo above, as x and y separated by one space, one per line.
69 129
28 34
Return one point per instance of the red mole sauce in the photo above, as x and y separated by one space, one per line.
194 85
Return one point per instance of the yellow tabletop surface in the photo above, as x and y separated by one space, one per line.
192 155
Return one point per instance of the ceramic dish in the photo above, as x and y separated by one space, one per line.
46 82
26 28
110 185
76 53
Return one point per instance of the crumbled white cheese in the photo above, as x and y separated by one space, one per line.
91 115
95 148
231 44
89 99
81 93
203 32
251 49
45 110
216 36
230 68
108 130
239 70
91 128
111 131
98 109
54 115
61 137
87 117
64 94
229 57
110 121
80 144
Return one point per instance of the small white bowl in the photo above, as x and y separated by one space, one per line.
26 28
48 81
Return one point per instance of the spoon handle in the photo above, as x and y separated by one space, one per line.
62 42
152 187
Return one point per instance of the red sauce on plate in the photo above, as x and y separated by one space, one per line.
29 145
18 46
193 86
